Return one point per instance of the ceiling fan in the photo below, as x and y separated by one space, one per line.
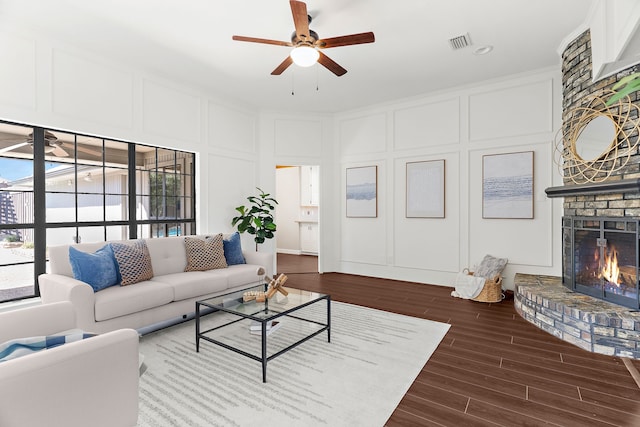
307 43
51 146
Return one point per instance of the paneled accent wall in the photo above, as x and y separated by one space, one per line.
298 137
170 107
440 125
228 124
363 135
519 110
104 94
49 83
460 126
18 72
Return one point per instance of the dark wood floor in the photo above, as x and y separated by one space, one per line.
492 367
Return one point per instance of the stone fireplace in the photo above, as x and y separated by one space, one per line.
601 216
595 304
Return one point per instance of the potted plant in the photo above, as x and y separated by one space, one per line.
625 86
257 218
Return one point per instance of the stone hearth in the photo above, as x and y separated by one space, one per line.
589 323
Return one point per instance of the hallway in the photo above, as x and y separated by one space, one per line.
297 264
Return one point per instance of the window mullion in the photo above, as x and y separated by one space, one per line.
39 201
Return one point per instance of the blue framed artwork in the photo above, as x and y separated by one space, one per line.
507 185
362 192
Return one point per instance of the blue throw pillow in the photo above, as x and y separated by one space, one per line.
97 269
22 346
233 250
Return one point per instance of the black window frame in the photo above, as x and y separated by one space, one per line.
184 224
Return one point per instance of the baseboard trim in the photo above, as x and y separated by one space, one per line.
289 251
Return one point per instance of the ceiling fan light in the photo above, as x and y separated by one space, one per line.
304 56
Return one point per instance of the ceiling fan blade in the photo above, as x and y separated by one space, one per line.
283 66
351 39
58 151
331 65
13 147
97 153
300 19
10 137
263 41
89 151
61 152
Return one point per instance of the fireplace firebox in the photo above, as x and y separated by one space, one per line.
600 258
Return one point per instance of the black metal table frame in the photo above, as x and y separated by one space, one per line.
263 358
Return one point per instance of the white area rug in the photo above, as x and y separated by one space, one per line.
356 380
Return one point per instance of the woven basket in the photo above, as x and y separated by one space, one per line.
492 291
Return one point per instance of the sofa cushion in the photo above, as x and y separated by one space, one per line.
204 253
134 262
242 274
194 283
98 269
122 300
233 249
168 255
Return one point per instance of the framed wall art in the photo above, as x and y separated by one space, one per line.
425 189
362 192
507 185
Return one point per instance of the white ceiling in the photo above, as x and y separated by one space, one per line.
190 41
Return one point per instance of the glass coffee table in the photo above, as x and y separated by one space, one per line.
289 310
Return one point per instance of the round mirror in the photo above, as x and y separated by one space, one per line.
595 139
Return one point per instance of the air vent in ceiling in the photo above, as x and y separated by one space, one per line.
460 41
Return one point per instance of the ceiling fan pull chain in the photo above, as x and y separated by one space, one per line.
293 92
317 78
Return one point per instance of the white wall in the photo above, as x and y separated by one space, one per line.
51 84
288 209
305 139
459 126
48 83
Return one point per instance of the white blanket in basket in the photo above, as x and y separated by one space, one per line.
467 286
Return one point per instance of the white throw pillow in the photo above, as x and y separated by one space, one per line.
490 267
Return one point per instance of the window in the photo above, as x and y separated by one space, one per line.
166 180
59 188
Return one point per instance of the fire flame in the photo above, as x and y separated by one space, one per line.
610 270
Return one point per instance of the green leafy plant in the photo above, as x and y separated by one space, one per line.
627 85
257 218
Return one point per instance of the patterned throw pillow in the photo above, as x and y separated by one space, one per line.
490 267
134 261
22 346
205 254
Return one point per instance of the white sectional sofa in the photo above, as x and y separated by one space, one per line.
168 296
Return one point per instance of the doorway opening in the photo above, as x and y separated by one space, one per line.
297 218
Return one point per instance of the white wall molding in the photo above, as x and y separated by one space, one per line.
514 114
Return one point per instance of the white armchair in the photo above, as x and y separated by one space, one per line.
93 382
